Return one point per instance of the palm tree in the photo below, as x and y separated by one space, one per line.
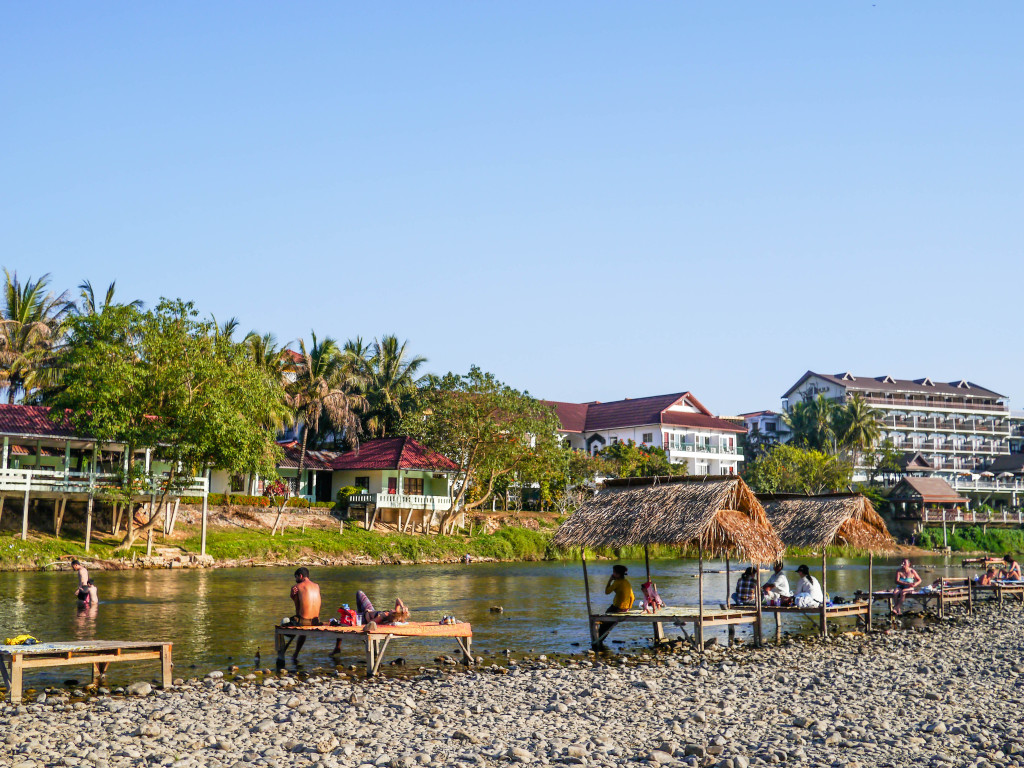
326 384
822 415
31 321
225 331
859 425
391 383
276 363
87 300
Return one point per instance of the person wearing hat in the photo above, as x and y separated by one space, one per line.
808 590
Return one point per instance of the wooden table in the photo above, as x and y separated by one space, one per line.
15 659
834 611
678 616
1000 588
377 640
951 590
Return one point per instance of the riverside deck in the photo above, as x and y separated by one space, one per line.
99 653
677 616
376 641
999 589
860 609
950 591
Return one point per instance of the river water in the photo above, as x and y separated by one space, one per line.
224 616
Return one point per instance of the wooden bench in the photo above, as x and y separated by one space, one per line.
1000 588
678 616
15 659
950 591
860 608
377 640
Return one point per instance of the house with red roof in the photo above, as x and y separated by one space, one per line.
399 480
677 422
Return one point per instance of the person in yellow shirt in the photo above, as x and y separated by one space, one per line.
619 585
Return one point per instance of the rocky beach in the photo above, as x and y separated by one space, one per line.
945 694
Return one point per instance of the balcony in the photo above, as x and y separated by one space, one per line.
944 426
400 501
935 405
25 481
700 448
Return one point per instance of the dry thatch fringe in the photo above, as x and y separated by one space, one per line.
829 520
720 514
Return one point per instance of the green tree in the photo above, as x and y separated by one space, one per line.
627 459
89 305
31 326
790 469
813 424
490 430
391 376
276 364
857 424
885 461
326 385
165 381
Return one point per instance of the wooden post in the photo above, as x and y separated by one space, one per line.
758 634
871 587
88 521
24 511
166 676
16 681
778 627
149 519
206 508
7 450
2 499
586 590
970 598
728 590
824 595
647 561
700 597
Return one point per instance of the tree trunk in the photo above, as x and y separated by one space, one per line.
280 514
302 460
154 518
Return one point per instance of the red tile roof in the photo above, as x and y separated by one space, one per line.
926 489
32 420
641 411
382 453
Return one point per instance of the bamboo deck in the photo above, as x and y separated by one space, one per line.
376 641
834 611
998 590
14 659
677 616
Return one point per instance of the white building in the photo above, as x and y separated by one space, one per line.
959 427
679 423
768 424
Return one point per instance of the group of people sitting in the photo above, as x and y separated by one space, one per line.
306 596
776 591
1010 571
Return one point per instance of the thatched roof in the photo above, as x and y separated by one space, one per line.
721 514
831 519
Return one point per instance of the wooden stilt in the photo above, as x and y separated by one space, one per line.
586 589
647 561
758 634
871 586
700 597
778 627
166 675
2 499
728 590
824 595
88 521
24 511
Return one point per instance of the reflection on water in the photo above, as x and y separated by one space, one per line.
219 617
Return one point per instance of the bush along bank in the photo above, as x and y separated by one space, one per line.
973 538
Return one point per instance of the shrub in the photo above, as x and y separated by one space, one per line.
345 492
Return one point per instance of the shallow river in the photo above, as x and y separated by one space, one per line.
221 617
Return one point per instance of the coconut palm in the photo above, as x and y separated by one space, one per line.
87 304
326 384
858 424
277 364
391 383
31 320
812 423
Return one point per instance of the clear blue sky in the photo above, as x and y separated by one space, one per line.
593 200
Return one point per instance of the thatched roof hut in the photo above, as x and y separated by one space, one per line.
834 519
720 515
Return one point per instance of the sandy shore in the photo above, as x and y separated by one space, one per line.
947 694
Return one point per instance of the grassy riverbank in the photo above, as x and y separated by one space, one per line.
971 538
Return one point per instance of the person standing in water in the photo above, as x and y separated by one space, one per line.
86 592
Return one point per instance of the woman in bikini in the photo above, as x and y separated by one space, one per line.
907 580
1011 572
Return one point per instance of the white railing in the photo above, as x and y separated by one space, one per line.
986 484
18 481
401 501
700 448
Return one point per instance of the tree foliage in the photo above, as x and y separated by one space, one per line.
790 469
164 380
627 459
822 424
390 378
490 430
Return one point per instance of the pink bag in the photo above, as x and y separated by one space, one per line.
652 600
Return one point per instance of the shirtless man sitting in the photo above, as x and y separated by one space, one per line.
306 596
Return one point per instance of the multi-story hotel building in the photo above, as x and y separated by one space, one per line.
679 423
959 427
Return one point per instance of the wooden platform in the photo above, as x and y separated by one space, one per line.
834 611
950 592
678 616
377 640
15 659
999 589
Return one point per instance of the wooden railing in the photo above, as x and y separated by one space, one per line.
20 481
401 501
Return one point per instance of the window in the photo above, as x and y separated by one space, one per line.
648 437
413 486
769 426
615 441
364 483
